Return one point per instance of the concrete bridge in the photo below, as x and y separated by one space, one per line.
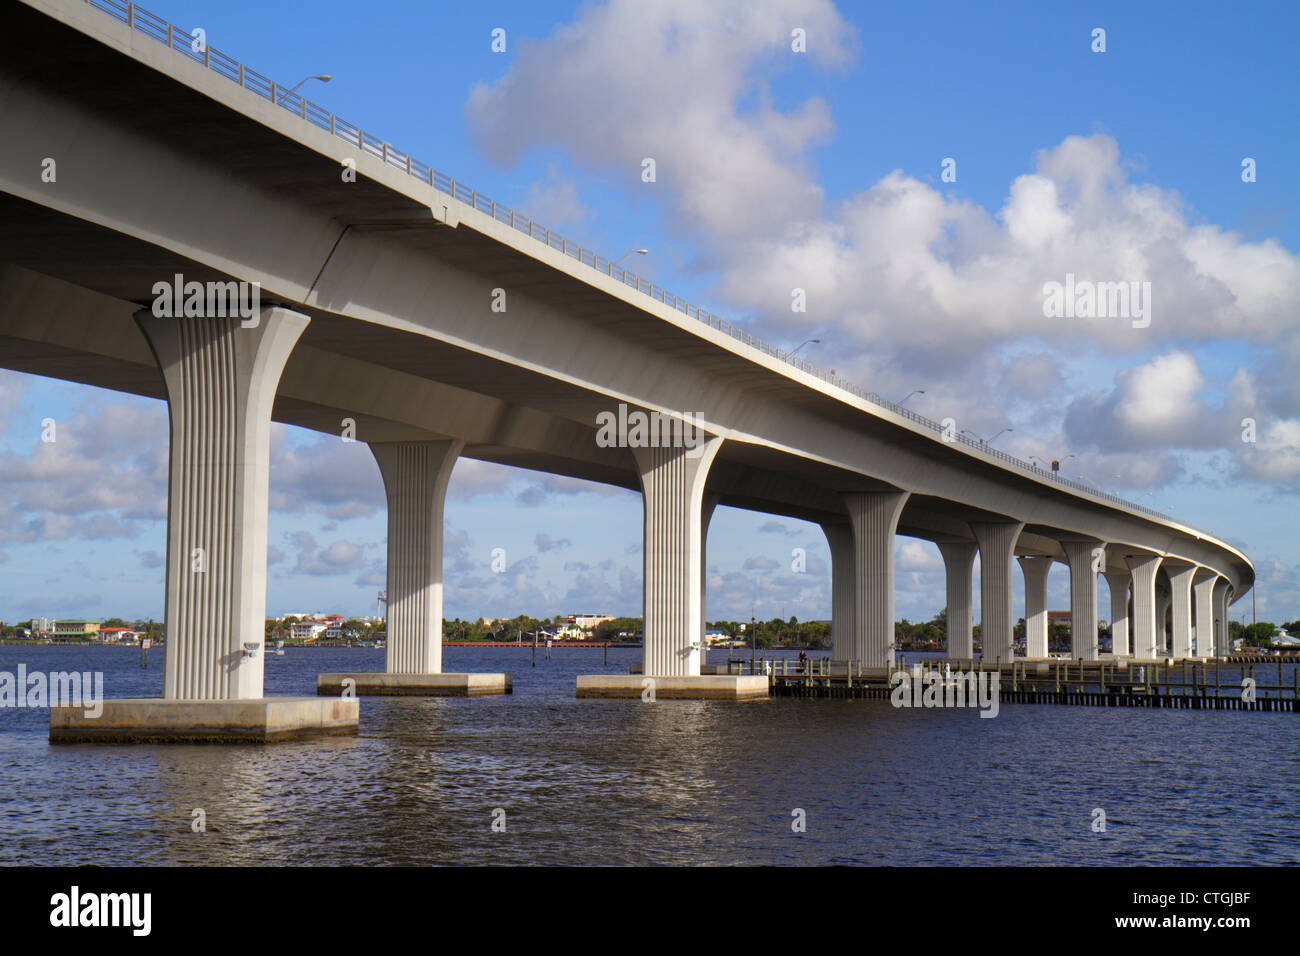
402 308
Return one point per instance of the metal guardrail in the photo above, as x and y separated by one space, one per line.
160 30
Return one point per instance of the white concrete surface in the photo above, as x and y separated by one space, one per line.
245 720
371 684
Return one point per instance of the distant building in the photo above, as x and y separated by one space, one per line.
43 625
307 630
75 630
580 626
589 621
1058 617
118 634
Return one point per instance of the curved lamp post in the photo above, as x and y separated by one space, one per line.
983 441
323 77
639 252
789 355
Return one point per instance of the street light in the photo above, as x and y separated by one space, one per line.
323 77
982 441
639 252
1056 465
790 354
915 391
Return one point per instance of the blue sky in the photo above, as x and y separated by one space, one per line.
776 169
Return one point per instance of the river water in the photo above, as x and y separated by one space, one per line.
672 782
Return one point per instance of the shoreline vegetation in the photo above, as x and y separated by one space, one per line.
1281 653
735 636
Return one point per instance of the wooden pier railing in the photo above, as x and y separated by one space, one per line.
1194 685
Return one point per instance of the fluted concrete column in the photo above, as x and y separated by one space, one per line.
1117 579
843 590
672 492
1203 604
958 561
1143 568
874 516
1163 600
220 378
1086 557
1222 645
997 544
1181 576
1035 569
415 483
710 501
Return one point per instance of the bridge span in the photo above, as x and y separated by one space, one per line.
400 307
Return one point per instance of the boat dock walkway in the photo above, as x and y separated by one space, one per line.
1190 685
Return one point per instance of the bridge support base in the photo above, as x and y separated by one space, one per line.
155 720
703 687
371 684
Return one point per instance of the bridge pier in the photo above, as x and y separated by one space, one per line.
1163 600
710 502
874 515
220 375
997 544
1203 603
1222 646
415 484
844 585
1181 576
672 493
958 562
1118 582
1035 569
1081 555
1146 628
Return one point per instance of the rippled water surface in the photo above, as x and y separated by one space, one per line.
678 782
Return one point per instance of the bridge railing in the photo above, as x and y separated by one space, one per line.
181 42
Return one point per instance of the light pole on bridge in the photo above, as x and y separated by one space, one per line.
989 441
323 77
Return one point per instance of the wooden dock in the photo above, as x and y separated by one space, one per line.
1186 685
